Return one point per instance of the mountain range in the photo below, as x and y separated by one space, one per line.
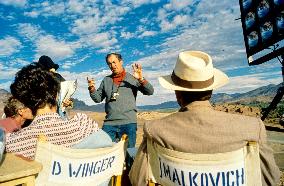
263 94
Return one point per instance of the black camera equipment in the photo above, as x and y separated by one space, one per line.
114 96
263 27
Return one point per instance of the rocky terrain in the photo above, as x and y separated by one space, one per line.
4 95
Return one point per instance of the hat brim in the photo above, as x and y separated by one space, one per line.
220 79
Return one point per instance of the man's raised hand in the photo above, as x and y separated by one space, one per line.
137 71
91 84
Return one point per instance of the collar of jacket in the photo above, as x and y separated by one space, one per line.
195 104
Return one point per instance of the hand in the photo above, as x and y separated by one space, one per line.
137 71
91 84
67 103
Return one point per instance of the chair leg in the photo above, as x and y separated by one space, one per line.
150 183
112 180
116 180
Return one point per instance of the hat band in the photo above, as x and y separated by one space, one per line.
191 84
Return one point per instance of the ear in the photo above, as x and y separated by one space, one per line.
20 112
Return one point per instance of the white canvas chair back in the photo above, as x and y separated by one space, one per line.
168 167
65 166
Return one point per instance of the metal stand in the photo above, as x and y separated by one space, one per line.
278 96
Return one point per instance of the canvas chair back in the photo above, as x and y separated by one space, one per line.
65 166
168 167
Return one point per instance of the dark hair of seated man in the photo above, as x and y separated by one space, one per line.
31 93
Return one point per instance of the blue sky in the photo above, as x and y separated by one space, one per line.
78 34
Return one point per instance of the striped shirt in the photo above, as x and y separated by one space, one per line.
57 130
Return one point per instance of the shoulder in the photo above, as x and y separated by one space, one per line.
152 126
235 116
6 120
107 79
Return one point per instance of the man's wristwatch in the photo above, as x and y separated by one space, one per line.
90 88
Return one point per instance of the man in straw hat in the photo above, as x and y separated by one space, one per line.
197 127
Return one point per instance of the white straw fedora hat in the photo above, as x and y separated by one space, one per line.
194 72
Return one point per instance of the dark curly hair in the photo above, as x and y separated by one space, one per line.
35 87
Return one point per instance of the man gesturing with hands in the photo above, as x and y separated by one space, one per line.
120 91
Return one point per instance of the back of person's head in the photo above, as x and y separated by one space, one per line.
35 87
186 97
12 107
118 56
194 76
46 63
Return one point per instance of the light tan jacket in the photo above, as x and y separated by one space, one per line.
201 129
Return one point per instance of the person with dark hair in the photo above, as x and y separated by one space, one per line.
46 63
120 91
16 114
38 90
199 129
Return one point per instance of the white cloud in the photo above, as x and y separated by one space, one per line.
237 83
18 62
86 25
177 4
48 45
75 6
55 9
32 14
172 15
162 62
29 31
178 20
138 3
9 45
96 18
7 72
136 52
147 33
126 35
68 64
104 41
46 9
16 3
